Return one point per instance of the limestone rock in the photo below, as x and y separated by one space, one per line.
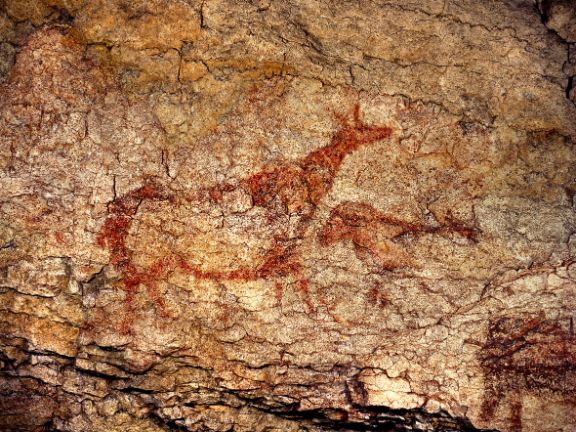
290 216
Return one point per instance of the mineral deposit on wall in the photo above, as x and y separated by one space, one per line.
287 215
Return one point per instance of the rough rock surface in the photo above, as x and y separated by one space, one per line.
287 216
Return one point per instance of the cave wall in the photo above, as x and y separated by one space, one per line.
287 216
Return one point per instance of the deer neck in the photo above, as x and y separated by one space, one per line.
329 158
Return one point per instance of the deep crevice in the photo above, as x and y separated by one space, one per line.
380 418
569 87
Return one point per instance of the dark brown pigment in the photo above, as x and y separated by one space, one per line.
527 354
358 223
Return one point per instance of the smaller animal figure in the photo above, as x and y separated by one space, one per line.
527 354
374 234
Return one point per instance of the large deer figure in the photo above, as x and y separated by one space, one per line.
286 188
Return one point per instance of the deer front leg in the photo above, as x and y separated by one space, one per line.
279 291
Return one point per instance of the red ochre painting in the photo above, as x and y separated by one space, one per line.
283 188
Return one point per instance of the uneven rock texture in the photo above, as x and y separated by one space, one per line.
287 216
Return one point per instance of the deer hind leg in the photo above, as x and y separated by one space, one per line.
305 290
156 271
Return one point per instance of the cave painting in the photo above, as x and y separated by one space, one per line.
282 190
527 355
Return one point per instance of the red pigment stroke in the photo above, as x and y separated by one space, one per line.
283 188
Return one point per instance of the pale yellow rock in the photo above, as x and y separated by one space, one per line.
192 71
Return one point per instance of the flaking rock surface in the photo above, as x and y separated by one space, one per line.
287 216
